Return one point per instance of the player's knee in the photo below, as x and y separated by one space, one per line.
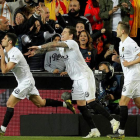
40 105
9 104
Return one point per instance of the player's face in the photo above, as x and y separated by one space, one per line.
119 31
104 68
5 41
65 35
83 38
79 27
74 6
57 39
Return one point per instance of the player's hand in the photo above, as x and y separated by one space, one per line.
1 51
32 51
126 63
63 73
56 71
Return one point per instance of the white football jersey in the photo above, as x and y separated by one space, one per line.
21 69
128 51
74 61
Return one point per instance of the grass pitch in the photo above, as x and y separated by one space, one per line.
58 138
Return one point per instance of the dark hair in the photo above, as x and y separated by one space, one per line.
55 35
72 31
13 37
80 22
89 43
125 26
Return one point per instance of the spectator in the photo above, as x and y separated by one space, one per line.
17 29
73 16
7 9
111 13
92 14
79 27
19 19
86 48
53 62
111 87
45 18
35 37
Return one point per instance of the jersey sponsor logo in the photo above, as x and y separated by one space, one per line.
124 89
17 90
86 94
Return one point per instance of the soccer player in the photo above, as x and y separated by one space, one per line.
84 82
129 53
12 59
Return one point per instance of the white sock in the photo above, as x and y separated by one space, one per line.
64 104
120 131
112 121
94 129
3 128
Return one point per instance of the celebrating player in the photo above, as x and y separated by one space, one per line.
84 82
12 59
129 53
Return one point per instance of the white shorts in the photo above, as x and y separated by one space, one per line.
84 89
132 90
25 90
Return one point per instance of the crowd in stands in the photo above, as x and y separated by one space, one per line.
36 22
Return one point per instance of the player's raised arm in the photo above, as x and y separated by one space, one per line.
5 67
51 46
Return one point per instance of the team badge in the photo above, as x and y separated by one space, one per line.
89 53
17 90
8 59
124 89
86 94
122 49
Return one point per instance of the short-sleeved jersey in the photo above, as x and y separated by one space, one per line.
129 51
75 64
21 69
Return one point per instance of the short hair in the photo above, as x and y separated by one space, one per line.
13 37
80 22
72 31
125 26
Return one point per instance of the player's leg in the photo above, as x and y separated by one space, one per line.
39 102
123 117
12 101
79 93
81 104
99 108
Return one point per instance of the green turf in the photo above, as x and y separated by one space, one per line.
58 138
